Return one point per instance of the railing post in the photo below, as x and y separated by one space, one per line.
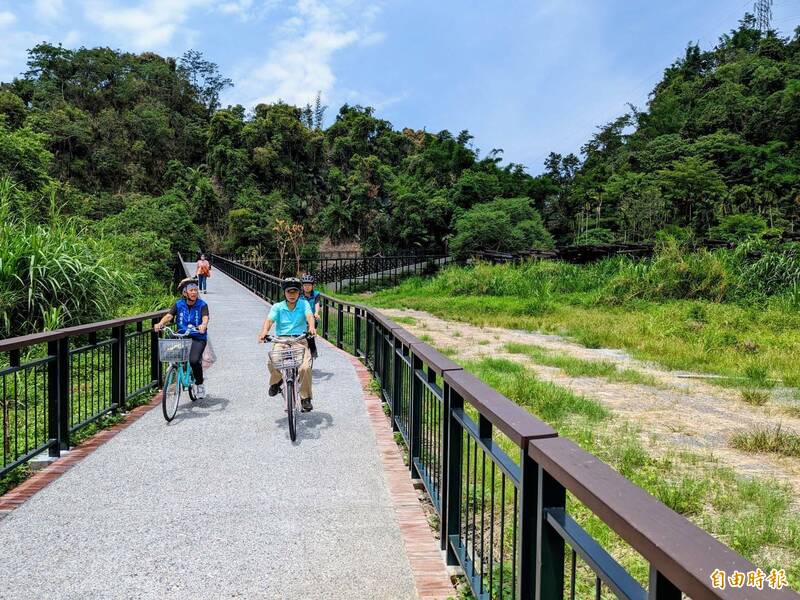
395 344
527 550
376 349
451 490
339 325
356 331
325 318
368 345
155 363
443 482
549 544
415 416
661 588
62 397
118 360
53 390
377 346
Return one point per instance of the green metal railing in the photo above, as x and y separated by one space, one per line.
503 514
54 384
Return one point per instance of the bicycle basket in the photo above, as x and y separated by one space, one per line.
174 350
287 358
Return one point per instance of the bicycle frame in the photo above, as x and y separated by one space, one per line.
185 377
290 378
178 374
291 375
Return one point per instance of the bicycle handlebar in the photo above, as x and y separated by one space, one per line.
175 334
282 338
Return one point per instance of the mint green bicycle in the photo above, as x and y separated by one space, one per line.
175 350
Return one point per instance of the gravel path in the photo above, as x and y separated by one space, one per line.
681 412
219 503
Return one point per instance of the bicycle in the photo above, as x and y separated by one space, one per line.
288 361
175 350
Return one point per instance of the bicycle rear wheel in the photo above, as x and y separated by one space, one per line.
290 414
171 395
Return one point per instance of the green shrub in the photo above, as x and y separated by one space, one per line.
755 396
674 273
504 224
767 269
767 439
739 228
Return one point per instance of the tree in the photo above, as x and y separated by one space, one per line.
474 187
739 228
12 109
641 208
504 224
289 240
319 112
205 78
24 157
695 191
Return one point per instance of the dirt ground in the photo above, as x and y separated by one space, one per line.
683 411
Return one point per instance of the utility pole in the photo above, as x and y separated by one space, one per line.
763 10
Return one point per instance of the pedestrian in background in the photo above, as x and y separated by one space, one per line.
203 272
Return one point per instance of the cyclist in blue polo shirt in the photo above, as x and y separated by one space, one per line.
311 296
291 317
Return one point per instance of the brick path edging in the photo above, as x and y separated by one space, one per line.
427 566
25 490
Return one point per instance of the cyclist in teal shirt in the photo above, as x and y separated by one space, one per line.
291 317
311 296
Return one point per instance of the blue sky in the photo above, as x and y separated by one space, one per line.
525 76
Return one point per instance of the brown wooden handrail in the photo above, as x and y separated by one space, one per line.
675 546
23 341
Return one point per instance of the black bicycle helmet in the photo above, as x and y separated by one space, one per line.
291 283
184 282
307 278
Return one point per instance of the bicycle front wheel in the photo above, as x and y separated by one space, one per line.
172 394
290 413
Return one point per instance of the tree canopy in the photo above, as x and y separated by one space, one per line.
122 136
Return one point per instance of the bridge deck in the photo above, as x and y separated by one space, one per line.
219 503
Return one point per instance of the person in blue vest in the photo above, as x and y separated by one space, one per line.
191 310
311 296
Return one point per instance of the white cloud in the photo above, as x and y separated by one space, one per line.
377 101
7 18
238 7
148 25
300 64
14 50
372 38
72 38
49 10
247 10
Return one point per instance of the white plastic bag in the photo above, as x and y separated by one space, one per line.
209 356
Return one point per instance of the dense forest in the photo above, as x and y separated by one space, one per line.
133 155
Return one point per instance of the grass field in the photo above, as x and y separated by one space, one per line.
755 343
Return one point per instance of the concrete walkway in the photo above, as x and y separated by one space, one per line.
220 503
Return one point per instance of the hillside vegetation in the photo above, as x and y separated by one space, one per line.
136 151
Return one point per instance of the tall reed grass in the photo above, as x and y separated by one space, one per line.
53 275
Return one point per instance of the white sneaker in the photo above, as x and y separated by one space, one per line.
200 391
